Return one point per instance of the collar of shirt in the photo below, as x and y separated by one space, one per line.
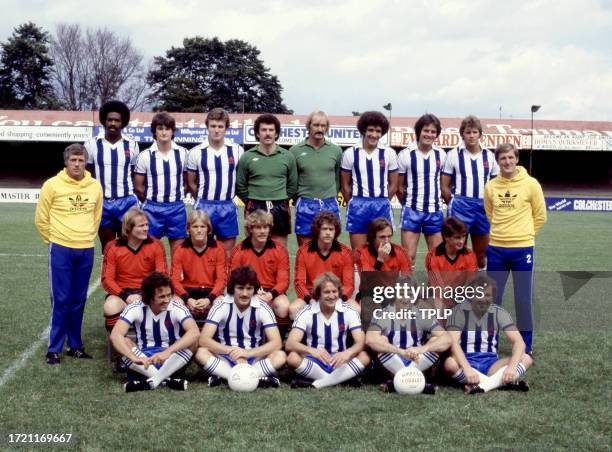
314 247
154 147
441 250
255 303
247 244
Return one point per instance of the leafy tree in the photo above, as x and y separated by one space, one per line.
25 68
208 73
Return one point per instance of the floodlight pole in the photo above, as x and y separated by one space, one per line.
534 108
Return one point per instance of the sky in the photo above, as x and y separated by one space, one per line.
448 57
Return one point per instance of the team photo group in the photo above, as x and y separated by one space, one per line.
225 304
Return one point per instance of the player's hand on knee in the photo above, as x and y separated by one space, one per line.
192 304
203 304
471 376
340 359
160 358
509 375
133 298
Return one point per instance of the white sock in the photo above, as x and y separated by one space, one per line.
218 367
392 362
310 369
149 372
492 382
265 368
426 360
482 269
343 373
175 362
459 376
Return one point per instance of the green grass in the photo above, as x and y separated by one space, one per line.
567 408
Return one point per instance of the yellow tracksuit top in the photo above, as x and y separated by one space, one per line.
516 209
69 211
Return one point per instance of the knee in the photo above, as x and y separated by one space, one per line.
202 355
527 361
281 306
294 360
450 365
278 358
363 358
113 305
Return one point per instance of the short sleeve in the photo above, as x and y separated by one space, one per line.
348 159
504 321
180 312
91 148
142 163
301 320
494 166
353 321
449 165
191 162
392 159
457 319
402 158
132 313
266 316
218 312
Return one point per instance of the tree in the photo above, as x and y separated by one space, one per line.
96 66
208 73
25 68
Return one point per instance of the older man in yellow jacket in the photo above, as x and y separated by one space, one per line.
67 217
514 203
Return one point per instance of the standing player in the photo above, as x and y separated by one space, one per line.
474 327
159 184
319 346
379 254
267 177
467 169
127 261
241 329
516 209
199 266
402 337
368 178
324 253
451 263
419 186
211 176
166 335
111 158
67 216
270 260
318 166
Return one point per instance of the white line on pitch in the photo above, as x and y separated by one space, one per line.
27 354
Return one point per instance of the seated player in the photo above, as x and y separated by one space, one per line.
474 328
241 329
451 263
320 349
410 342
269 259
127 260
379 254
324 253
199 266
166 334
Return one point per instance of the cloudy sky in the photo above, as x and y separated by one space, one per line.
450 57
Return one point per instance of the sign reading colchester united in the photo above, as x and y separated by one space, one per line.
293 134
181 135
580 204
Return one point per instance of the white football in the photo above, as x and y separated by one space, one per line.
409 380
243 378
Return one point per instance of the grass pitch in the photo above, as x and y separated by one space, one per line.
568 406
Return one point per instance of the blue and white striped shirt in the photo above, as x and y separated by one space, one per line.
216 170
470 172
161 330
113 164
244 329
370 171
332 334
422 178
163 173
404 333
479 335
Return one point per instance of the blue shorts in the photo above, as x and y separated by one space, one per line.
232 363
223 216
482 361
306 209
113 210
166 219
471 212
360 211
148 352
326 367
415 221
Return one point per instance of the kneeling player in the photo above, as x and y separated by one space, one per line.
241 329
166 334
198 266
474 327
402 336
318 345
270 260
